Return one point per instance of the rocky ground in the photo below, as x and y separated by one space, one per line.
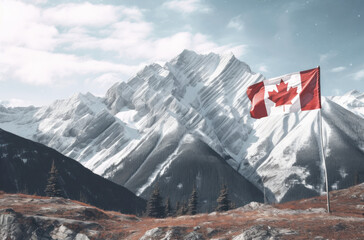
34 217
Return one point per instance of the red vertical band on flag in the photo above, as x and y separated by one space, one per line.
310 96
256 95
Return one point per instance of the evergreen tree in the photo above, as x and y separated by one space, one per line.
356 179
223 202
25 189
182 210
232 205
154 206
83 197
168 211
178 206
53 189
192 202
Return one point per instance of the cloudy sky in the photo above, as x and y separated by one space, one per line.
52 49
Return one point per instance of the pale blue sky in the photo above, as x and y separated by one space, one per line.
54 49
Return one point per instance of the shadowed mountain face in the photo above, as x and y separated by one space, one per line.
24 167
193 163
143 129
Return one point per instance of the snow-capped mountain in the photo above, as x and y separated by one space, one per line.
353 101
188 122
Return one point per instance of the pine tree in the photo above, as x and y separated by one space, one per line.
168 211
53 189
154 206
178 206
182 210
356 179
223 202
25 189
232 205
83 197
192 202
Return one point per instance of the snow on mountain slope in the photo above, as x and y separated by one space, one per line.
353 101
176 160
78 127
284 151
138 132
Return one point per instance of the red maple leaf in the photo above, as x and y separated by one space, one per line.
282 97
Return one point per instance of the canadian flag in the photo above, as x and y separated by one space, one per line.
293 92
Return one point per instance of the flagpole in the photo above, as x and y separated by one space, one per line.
323 159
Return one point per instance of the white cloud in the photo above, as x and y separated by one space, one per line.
15 102
359 75
127 39
338 69
36 1
236 23
324 58
187 6
103 82
135 41
134 30
263 68
336 92
87 14
106 79
21 25
42 67
35 42
131 13
29 35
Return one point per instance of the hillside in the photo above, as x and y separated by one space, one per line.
22 216
24 167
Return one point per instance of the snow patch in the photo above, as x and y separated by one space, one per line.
127 116
188 138
93 102
199 180
162 168
169 126
192 92
343 172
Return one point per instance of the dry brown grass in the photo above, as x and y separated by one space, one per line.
345 222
